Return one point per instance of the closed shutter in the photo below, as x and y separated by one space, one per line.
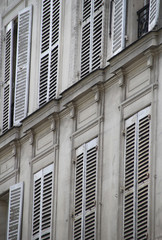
85 191
91 36
15 212
49 50
153 13
136 195
119 25
8 78
23 64
42 203
130 154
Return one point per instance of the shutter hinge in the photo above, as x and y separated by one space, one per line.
121 189
123 132
72 215
74 161
149 116
96 147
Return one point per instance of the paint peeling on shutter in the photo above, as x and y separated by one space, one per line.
15 212
43 203
49 50
23 64
85 191
8 78
91 36
153 13
119 26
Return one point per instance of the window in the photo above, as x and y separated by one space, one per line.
125 21
4 198
85 191
49 50
91 35
15 211
43 203
137 168
16 76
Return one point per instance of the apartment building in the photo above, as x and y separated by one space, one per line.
81 119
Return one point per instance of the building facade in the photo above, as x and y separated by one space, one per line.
80 107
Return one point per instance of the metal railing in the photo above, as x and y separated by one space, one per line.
143 18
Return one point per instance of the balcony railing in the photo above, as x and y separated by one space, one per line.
143 17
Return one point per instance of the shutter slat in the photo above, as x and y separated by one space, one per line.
15 212
22 65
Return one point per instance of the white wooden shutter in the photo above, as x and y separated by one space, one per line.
42 203
97 34
143 169
119 25
8 78
15 212
49 50
85 191
136 194
22 64
153 13
91 36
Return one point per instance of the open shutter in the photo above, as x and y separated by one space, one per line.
49 50
130 158
143 173
42 203
119 25
23 64
15 212
91 36
85 191
137 176
8 78
153 13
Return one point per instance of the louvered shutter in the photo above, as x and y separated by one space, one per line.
42 203
22 64
79 191
153 13
91 36
15 212
129 198
136 194
119 25
49 50
8 78
143 170
85 192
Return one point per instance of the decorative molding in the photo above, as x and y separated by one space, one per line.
150 58
96 90
71 107
31 136
53 122
120 75
14 148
